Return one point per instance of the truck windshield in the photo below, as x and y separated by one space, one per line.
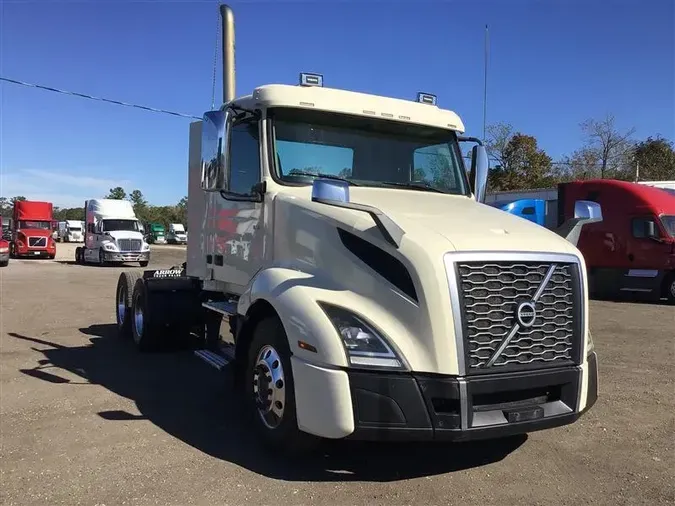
669 224
366 151
44 225
113 225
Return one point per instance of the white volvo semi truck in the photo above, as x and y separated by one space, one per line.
376 296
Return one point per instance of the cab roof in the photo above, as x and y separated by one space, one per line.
351 102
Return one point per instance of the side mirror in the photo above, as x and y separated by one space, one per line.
479 172
585 213
215 150
589 211
651 231
328 189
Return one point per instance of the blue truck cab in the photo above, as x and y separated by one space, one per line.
530 209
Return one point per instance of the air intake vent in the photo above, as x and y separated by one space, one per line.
387 266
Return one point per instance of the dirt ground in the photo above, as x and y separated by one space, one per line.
84 419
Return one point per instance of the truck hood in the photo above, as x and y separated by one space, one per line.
125 234
464 223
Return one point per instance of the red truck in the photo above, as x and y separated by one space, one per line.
32 230
4 249
632 250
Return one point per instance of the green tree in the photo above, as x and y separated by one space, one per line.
116 193
523 166
655 160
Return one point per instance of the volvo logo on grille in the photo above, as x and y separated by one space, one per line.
526 314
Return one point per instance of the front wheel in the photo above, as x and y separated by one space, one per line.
669 289
270 393
143 263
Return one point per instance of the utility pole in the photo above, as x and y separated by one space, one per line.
485 70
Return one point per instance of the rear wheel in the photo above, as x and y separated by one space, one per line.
270 393
123 301
144 328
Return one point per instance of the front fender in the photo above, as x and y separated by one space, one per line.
293 295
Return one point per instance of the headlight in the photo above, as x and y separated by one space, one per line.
365 346
109 246
589 343
145 247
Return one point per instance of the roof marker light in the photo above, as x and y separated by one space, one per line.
311 79
426 98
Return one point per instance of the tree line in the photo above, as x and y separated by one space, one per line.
607 152
516 163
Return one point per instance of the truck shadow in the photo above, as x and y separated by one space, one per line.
182 396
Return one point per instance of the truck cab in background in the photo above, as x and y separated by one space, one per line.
112 234
70 231
32 230
176 234
632 251
4 247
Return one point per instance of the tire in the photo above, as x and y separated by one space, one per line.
4 264
269 353
51 257
123 299
78 256
101 257
669 289
144 327
143 263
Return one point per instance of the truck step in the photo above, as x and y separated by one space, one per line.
213 359
220 359
225 308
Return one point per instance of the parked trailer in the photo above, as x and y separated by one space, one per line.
365 304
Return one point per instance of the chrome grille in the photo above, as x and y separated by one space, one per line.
37 242
500 330
129 244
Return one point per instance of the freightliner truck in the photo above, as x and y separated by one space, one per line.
377 297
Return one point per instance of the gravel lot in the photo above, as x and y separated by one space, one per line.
87 420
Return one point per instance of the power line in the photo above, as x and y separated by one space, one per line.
98 99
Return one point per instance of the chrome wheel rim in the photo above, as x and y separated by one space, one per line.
269 387
121 304
138 320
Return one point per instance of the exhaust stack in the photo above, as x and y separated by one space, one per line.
227 18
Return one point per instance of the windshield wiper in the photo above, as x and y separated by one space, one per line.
326 176
414 186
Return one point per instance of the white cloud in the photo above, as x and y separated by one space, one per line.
60 188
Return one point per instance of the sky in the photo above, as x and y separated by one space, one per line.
552 65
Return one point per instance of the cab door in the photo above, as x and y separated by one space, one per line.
235 216
646 255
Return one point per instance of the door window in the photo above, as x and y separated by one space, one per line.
244 157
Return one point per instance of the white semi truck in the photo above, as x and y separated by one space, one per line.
70 231
176 234
112 234
378 297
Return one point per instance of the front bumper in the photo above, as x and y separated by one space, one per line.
34 253
126 256
433 407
